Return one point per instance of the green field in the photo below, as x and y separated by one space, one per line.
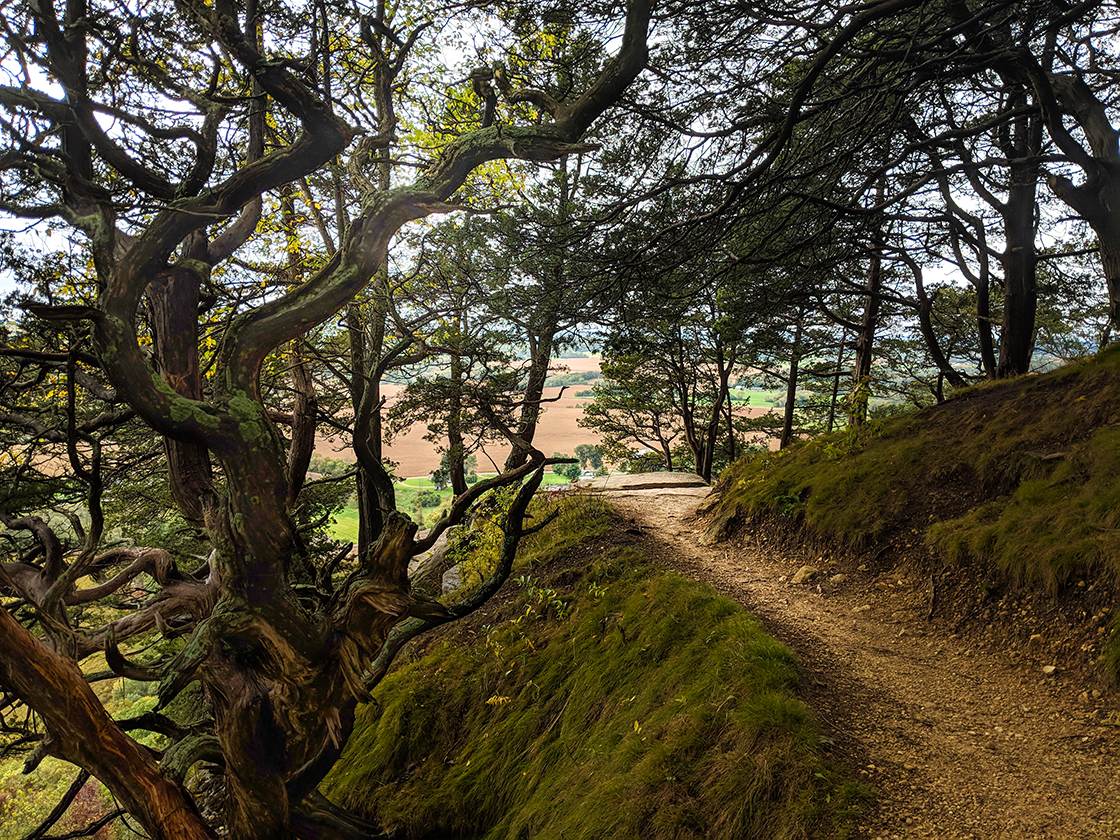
345 525
755 397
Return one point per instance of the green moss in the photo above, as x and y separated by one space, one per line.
578 518
184 410
250 417
1058 524
654 708
1024 471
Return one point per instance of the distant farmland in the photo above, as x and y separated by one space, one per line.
558 431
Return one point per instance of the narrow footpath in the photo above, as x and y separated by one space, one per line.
959 740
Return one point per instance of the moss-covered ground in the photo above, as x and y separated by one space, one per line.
1016 478
603 698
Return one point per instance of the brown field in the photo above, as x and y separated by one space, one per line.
558 432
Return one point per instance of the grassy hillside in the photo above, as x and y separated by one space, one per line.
603 698
1018 479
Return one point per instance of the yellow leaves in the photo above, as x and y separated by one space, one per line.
498 700
55 391
548 45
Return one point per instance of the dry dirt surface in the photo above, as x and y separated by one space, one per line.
959 739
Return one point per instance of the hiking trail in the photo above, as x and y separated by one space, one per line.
959 739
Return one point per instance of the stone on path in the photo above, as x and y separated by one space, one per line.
452 579
804 574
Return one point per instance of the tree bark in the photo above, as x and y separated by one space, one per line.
1097 199
1020 289
456 450
173 310
1021 143
724 365
929 335
865 335
791 384
540 359
833 397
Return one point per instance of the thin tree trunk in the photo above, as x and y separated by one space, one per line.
1109 243
1020 290
540 360
984 334
925 328
836 384
732 445
724 366
173 310
791 383
305 402
456 451
305 408
376 496
865 336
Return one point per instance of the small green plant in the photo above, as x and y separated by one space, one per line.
429 498
788 503
543 598
493 642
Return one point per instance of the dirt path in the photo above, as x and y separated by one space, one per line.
960 740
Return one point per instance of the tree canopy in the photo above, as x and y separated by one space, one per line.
174 144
